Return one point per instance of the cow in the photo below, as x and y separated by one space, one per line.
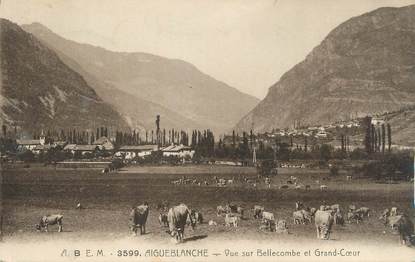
324 222
232 208
299 205
394 211
163 220
281 226
231 219
405 230
351 215
138 217
212 223
307 187
402 224
284 187
47 220
323 187
335 207
348 178
301 216
197 216
221 210
240 211
258 211
177 218
338 217
363 212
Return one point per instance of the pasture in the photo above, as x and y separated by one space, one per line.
30 193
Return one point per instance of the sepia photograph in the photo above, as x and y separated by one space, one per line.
196 130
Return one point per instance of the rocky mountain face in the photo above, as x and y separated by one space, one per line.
38 91
178 91
364 66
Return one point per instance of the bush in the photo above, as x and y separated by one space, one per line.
392 166
334 170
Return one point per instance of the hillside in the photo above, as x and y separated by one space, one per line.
38 91
173 84
364 66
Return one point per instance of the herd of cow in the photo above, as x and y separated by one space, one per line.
177 217
292 182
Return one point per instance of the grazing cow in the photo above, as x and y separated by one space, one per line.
335 207
363 212
47 220
405 230
323 221
138 217
323 187
281 227
197 217
267 216
177 218
338 217
353 216
302 216
212 223
384 216
348 178
221 210
163 220
258 211
299 205
394 211
241 211
232 208
231 219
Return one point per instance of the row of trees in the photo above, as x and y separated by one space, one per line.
375 137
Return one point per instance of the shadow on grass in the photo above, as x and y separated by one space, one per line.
194 238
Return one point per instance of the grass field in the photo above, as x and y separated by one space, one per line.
32 192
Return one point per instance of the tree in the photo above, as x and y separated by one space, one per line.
368 134
389 137
383 138
325 152
4 128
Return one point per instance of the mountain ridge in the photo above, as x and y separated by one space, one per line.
172 83
39 91
363 66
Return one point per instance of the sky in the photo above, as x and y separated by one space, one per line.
248 44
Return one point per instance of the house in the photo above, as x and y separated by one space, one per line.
130 152
377 121
41 148
30 144
181 151
321 134
105 143
82 149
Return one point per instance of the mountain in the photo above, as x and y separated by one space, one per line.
38 91
403 126
176 86
364 66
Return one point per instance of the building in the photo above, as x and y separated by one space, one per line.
30 144
105 143
82 149
130 152
180 151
